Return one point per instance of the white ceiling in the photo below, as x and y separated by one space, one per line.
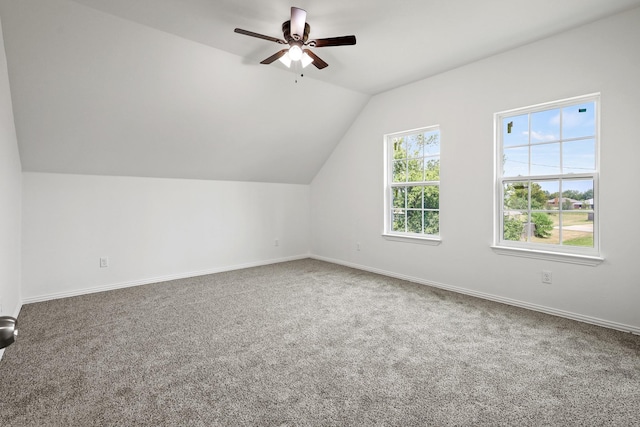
165 88
398 42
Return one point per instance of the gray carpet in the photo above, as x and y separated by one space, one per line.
310 343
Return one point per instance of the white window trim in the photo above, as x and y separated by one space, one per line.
407 238
387 234
549 256
566 254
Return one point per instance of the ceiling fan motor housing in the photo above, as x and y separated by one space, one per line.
292 38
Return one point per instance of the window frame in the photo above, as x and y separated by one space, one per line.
553 252
389 185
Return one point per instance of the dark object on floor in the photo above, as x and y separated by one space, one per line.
8 331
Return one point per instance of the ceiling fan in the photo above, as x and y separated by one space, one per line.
296 35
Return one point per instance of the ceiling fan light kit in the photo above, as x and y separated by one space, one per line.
296 35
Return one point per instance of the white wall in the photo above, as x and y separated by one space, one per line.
10 199
151 229
347 194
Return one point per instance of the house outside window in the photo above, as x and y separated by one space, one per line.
547 178
412 193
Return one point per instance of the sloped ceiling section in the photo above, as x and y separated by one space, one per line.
165 88
96 94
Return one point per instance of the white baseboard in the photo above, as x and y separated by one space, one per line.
535 307
147 281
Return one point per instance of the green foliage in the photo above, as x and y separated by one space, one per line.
414 197
416 158
513 228
399 221
431 197
414 222
432 223
544 224
432 170
516 196
573 194
539 197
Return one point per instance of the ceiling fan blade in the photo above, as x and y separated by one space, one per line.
260 36
298 19
333 41
275 56
319 63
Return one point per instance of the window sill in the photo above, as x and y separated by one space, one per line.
433 241
549 256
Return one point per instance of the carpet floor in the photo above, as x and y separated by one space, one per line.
310 343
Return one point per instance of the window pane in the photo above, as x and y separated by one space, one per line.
516 161
431 222
414 146
515 130
544 228
400 171
545 126
414 197
416 170
432 143
432 197
399 220
579 120
399 197
577 229
513 227
399 148
539 197
546 196
516 197
414 221
579 156
432 169
545 159
577 194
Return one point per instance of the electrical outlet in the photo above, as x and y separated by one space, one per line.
104 262
546 276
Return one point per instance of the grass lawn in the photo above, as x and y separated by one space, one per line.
580 241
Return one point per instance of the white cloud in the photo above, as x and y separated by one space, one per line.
539 136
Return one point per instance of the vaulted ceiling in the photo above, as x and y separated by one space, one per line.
165 88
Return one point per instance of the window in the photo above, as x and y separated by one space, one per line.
547 177
412 198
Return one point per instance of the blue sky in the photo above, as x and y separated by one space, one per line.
547 127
